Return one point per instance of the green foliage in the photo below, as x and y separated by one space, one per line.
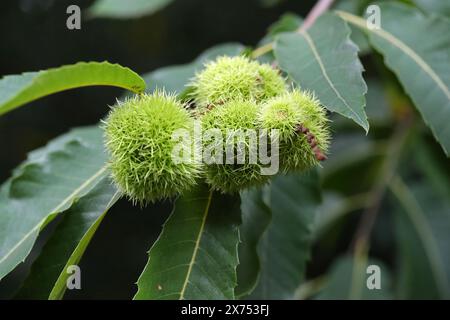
287 23
256 216
421 66
284 248
140 138
385 194
235 78
68 243
322 65
46 184
357 36
175 78
422 222
16 90
434 6
290 114
125 9
347 280
202 234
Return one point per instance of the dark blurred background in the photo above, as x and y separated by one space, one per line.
34 36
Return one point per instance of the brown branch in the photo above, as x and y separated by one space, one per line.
320 7
392 158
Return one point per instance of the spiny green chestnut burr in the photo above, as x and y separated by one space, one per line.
138 136
229 128
235 78
303 129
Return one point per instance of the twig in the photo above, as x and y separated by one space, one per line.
258 52
320 7
310 288
362 235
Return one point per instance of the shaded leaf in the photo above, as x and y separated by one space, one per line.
434 6
285 246
256 216
324 60
348 280
357 36
49 182
175 78
422 224
201 236
287 23
435 166
17 90
333 209
120 9
419 61
68 242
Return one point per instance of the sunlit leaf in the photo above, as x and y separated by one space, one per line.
17 90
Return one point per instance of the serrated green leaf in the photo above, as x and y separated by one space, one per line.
46 184
419 61
288 22
68 242
285 246
17 90
324 60
357 36
120 9
195 256
175 78
348 280
256 215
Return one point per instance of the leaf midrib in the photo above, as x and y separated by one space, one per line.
196 247
400 45
18 100
325 74
59 286
54 211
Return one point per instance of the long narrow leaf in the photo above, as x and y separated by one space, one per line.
68 242
420 61
17 90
